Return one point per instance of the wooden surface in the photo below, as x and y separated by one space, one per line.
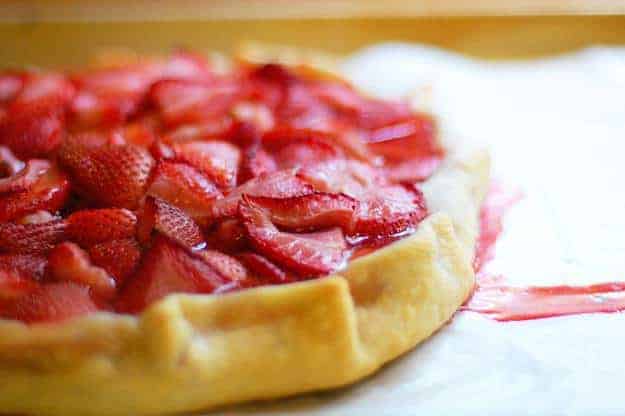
511 37
79 10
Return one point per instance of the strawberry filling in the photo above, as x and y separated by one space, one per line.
123 185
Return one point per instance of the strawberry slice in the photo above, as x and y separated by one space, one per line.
93 226
170 221
413 170
50 193
67 262
202 130
13 285
305 154
389 211
167 268
110 96
218 160
28 266
309 212
119 258
300 147
33 129
109 175
183 186
185 65
228 235
280 184
368 113
263 269
182 101
408 139
51 302
10 85
26 177
256 162
42 87
137 133
257 114
89 109
31 238
225 265
38 217
9 163
160 151
342 176
306 254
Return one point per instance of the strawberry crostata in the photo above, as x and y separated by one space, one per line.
177 235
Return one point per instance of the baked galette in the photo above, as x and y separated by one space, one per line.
177 234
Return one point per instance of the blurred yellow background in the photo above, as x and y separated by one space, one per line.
512 37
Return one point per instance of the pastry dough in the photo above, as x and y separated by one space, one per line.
192 352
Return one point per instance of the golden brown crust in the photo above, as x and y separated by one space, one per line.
192 352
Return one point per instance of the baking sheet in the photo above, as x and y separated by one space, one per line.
556 130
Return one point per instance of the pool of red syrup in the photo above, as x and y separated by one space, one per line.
493 298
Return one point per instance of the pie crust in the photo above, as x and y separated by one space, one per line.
192 352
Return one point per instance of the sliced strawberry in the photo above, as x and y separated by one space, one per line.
51 303
320 145
405 140
389 211
109 175
185 65
309 212
29 266
50 193
13 285
38 217
263 269
413 170
273 73
183 186
89 109
10 85
342 176
280 184
31 238
256 162
86 140
119 258
203 130
227 266
69 263
228 235
368 113
305 154
160 151
9 163
26 177
93 226
305 254
257 114
188 102
170 221
167 268
137 133
33 129
110 96
216 159
45 87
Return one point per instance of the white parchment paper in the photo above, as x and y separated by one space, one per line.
556 129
